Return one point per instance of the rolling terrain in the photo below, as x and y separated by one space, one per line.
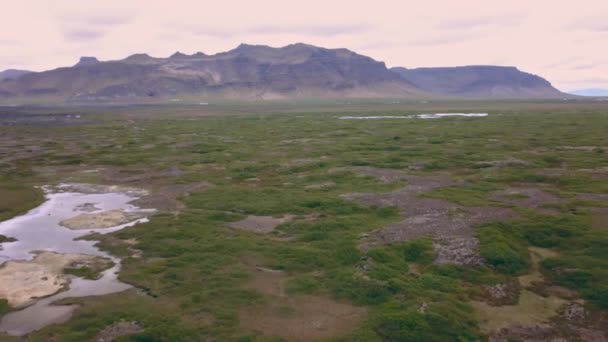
279 223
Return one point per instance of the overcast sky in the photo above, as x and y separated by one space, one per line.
564 41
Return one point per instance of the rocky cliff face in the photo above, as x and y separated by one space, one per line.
480 82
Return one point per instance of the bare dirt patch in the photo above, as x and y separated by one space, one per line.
119 329
302 318
383 175
304 161
167 197
580 148
557 291
297 317
599 173
506 293
531 333
22 282
510 162
531 309
593 197
104 219
528 197
319 186
535 277
599 218
574 322
554 314
260 224
269 281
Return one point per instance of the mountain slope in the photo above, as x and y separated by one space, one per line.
480 82
12 74
249 71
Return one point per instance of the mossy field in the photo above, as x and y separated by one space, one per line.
286 223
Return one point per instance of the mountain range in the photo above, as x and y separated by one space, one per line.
262 72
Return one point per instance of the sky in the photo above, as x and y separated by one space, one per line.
563 41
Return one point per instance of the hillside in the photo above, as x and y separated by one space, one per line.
12 74
480 82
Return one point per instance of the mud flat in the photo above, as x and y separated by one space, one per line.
32 276
104 219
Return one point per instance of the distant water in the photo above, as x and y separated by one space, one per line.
39 230
416 116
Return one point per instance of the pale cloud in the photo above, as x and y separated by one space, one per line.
557 40
8 42
585 66
82 27
595 23
82 34
443 39
469 23
274 30
314 30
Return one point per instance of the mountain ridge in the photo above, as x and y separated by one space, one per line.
248 71
12 74
480 81
264 72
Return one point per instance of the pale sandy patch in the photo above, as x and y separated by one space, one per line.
531 309
104 219
22 282
260 224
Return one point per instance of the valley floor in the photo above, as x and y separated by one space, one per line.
279 223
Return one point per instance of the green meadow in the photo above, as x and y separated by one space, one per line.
198 278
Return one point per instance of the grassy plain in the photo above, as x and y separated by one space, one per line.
197 279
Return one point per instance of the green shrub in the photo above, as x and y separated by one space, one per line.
420 251
503 250
358 289
441 321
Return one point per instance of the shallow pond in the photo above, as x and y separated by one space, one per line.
416 116
40 230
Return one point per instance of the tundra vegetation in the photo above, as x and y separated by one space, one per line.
293 175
